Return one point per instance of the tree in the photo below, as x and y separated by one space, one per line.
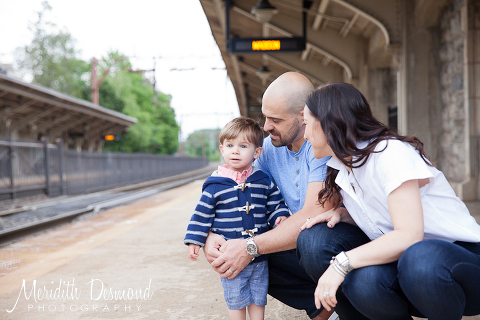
51 58
203 143
130 93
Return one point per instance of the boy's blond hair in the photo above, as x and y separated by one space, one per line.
242 125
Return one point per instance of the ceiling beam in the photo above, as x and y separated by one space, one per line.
306 53
326 61
237 75
321 11
64 128
52 123
24 122
290 67
94 134
334 58
380 25
348 25
347 69
70 107
18 108
255 85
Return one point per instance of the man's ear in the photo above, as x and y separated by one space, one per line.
258 152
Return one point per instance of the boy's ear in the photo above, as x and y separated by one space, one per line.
258 152
220 147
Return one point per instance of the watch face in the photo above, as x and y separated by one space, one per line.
251 249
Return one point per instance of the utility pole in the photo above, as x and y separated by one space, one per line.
154 79
94 85
95 82
155 95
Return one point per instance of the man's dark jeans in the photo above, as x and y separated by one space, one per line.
291 284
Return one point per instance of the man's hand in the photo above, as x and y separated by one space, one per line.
212 245
233 259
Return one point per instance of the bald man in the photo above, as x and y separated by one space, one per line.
288 160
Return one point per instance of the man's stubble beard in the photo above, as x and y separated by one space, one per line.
289 137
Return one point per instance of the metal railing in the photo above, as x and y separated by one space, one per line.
28 168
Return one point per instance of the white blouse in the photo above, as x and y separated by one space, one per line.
365 193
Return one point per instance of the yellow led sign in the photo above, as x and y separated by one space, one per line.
261 45
265 45
109 137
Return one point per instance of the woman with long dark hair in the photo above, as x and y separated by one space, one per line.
423 257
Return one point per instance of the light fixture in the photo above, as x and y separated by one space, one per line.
264 11
264 74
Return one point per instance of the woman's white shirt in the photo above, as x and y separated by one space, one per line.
366 189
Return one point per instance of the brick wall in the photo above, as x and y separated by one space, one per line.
452 160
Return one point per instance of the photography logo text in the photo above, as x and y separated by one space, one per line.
69 296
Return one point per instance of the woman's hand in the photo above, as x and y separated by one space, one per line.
332 217
327 288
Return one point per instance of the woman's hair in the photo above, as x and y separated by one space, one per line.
346 119
242 125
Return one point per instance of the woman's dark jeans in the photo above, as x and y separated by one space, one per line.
433 278
290 284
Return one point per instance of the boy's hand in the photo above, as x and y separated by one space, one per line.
280 220
193 250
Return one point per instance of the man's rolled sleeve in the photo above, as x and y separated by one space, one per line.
318 169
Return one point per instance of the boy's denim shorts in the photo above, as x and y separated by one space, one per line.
250 286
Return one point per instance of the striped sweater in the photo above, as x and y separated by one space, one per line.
222 208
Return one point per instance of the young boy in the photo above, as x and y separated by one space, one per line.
239 201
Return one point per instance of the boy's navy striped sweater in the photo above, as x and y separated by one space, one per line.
222 207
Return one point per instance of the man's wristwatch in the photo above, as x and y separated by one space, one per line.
251 247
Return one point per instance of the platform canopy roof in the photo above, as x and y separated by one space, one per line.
41 111
337 32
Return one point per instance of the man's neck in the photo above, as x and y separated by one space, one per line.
297 145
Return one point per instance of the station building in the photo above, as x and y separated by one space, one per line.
416 61
31 112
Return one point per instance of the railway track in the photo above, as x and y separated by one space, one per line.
35 218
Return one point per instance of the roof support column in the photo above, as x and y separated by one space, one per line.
78 141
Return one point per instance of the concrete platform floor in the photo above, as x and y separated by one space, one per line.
125 263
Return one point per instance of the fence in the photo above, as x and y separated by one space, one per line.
34 168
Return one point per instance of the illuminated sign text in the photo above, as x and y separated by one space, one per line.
266 45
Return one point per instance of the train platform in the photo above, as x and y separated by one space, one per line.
127 262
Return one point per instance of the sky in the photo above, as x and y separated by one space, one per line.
176 33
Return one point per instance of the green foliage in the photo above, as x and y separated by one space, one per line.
52 60
129 93
203 143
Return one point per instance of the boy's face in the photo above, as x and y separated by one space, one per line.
239 153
